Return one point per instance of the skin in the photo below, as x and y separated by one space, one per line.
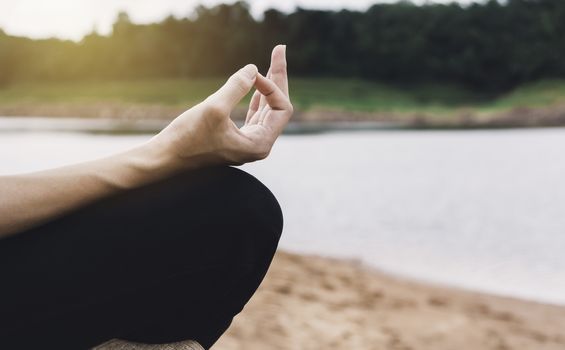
202 136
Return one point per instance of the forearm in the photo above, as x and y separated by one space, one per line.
29 199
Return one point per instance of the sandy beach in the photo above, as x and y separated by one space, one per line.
309 302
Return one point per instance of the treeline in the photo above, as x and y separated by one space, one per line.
491 46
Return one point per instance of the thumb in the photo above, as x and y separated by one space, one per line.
235 89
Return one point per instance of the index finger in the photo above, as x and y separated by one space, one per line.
235 89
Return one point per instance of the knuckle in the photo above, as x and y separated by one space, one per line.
214 110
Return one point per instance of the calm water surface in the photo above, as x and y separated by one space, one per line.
477 209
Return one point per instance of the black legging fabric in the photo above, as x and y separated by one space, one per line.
173 260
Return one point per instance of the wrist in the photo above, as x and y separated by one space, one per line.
162 156
142 164
155 157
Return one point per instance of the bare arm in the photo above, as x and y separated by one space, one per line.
204 135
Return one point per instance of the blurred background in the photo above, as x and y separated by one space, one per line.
422 176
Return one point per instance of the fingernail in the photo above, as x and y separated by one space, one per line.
249 71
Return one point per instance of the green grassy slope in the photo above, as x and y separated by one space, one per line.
334 94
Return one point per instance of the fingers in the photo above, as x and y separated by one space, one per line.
279 110
263 102
272 94
278 68
234 90
253 105
277 71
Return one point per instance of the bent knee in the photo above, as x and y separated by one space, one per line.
257 205
235 200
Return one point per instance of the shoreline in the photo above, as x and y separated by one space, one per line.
103 125
312 302
145 126
316 119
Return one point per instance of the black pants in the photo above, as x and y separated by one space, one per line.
170 261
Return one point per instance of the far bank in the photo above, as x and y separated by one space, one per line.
316 101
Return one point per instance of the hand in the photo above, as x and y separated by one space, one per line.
206 135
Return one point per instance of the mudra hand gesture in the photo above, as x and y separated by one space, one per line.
206 135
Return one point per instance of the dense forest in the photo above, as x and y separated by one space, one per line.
491 46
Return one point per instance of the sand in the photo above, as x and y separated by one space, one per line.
309 302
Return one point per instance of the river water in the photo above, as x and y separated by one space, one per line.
476 209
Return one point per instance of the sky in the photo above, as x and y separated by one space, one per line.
72 19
